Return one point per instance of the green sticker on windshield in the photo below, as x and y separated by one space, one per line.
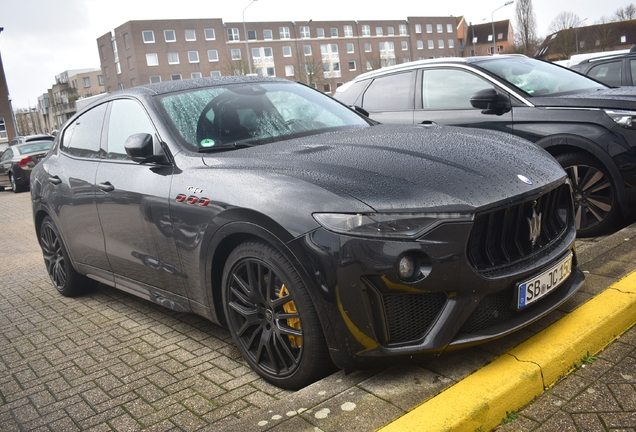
529 91
207 143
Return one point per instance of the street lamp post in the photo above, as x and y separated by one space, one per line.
576 33
492 18
247 48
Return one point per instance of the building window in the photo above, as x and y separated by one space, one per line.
173 58
334 32
440 28
440 43
118 67
190 35
402 29
369 65
390 31
406 59
287 51
236 54
623 39
233 34
367 47
170 35
155 79
196 75
256 53
451 43
152 59
213 55
251 35
215 73
350 48
305 33
429 28
418 28
209 34
431 44
100 79
3 128
113 44
87 81
348 31
284 32
327 88
449 28
366 30
378 31
307 50
268 35
489 38
420 44
175 77
352 65
193 56
320 32
499 36
120 86
148 36
405 45
289 70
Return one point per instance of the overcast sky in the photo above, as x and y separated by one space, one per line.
43 38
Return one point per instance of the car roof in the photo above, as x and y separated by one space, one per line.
419 63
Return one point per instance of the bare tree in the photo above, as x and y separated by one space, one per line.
603 34
526 27
625 13
563 21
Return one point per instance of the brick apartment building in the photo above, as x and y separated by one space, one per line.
324 54
479 38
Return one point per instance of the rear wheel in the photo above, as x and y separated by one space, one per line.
272 318
58 265
594 193
14 186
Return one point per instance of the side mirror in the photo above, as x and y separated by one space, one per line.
141 148
491 102
360 110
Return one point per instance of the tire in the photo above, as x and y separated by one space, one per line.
14 186
272 318
58 265
595 199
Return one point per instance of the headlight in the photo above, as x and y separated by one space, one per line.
393 225
626 119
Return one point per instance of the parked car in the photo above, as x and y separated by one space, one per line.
17 162
585 125
612 69
21 139
317 236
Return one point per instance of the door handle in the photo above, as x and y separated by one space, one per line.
55 180
106 187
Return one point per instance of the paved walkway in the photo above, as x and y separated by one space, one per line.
110 361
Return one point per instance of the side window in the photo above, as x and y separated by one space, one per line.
608 73
352 95
632 66
82 137
7 155
390 93
127 117
450 89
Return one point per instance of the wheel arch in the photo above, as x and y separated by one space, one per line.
567 143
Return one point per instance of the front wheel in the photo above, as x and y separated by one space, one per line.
595 204
58 265
272 318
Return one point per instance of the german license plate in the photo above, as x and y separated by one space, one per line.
539 286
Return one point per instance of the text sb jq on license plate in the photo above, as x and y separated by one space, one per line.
539 286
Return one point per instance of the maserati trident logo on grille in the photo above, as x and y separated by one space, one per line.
524 179
535 226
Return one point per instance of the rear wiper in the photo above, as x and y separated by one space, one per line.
225 147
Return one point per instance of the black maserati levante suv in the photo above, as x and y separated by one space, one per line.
317 236
588 127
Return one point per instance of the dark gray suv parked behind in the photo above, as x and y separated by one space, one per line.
587 126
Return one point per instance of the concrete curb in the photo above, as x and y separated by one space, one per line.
481 400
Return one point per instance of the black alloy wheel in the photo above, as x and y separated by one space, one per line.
271 317
595 205
58 265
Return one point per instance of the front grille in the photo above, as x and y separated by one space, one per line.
503 237
410 316
492 310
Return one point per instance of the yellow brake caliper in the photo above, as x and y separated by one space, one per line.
290 308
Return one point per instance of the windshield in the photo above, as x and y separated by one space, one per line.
254 113
538 78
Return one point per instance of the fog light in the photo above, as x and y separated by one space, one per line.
406 267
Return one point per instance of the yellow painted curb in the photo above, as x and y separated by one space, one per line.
515 378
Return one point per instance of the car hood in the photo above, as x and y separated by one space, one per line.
618 98
406 168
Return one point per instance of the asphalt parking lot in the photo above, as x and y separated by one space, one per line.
110 361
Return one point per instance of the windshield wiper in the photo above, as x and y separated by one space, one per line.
224 147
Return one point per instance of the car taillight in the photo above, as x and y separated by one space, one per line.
25 161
